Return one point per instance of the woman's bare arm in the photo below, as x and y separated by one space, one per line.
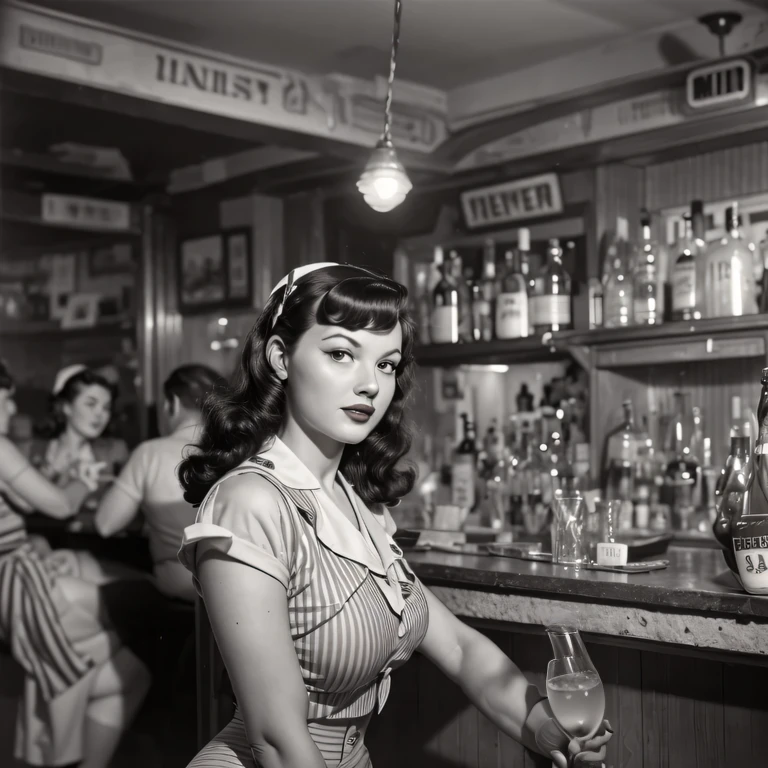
29 489
248 611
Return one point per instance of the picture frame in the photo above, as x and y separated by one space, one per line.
82 311
239 266
202 274
117 259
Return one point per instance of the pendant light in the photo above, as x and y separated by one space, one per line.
384 182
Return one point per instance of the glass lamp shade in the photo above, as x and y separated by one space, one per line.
384 182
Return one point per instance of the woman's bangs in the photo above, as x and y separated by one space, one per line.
363 304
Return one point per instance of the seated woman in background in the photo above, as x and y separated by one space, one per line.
149 480
81 688
81 406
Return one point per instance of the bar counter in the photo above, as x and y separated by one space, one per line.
696 601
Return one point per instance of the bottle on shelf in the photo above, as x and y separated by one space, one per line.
684 288
727 269
456 268
444 325
648 290
488 281
763 287
621 452
482 320
682 470
464 468
618 289
595 291
512 298
524 399
550 298
747 507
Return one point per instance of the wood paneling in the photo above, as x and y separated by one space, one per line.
719 175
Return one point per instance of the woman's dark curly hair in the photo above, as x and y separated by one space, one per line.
6 380
238 424
55 423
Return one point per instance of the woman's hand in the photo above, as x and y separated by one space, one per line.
567 752
88 473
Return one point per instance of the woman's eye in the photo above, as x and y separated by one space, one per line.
388 366
339 355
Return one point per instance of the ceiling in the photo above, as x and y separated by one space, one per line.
444 43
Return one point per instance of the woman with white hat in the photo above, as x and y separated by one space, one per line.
81 688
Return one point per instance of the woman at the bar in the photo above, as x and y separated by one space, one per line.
310 599
73 434
81 688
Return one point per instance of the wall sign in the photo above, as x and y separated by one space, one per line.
86 213
512 201
347 109
720 85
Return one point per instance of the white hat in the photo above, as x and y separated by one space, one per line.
65 374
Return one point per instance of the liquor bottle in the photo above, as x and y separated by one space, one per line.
482 320
729 288
763 288
618 290
550 299
738 456
747 507
524 399
682 470
488 280
456 268
684 288
648 287
512 299
621 450
444 327
464 468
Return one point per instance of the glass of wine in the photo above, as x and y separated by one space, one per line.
574 687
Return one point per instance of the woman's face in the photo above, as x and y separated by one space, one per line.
340 382
88 414
7 410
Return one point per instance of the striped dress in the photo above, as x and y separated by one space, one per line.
356 610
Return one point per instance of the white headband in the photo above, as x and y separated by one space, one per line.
65 374
290 282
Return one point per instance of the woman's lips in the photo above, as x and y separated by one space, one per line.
359 413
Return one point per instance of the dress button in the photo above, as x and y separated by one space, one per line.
396 550
352 738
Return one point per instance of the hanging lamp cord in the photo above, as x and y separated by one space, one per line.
386 136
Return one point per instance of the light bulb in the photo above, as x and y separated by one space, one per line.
384 183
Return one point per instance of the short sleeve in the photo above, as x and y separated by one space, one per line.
246 518
133 477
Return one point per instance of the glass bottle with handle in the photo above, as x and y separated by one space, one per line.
574 687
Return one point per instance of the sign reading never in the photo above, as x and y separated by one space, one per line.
512 201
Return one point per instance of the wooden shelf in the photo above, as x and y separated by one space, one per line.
52 328
530 350
718 338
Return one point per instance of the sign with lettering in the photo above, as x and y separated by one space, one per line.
720 85
512 201
751 553
346 109
86 213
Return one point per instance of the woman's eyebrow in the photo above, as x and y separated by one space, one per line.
344 336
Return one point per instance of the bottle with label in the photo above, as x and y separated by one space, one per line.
464 469
648 285
727 268
456 269
488 282
512 299
423 304
684 290
444 326
682 470
550 299
618 288
748 508
482 320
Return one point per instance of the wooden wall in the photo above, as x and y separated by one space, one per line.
667 712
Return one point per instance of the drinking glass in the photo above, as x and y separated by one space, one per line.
567 531
574 687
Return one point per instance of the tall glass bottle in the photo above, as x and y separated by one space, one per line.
422 302
648 285
682 470
729 286
464 474
488 284
618 290
512 298
550 298
444 325
623 446
456 268
684 289
747 507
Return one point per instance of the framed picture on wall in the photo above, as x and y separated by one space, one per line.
202 274
238 257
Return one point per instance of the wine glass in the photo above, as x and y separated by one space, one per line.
574 687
